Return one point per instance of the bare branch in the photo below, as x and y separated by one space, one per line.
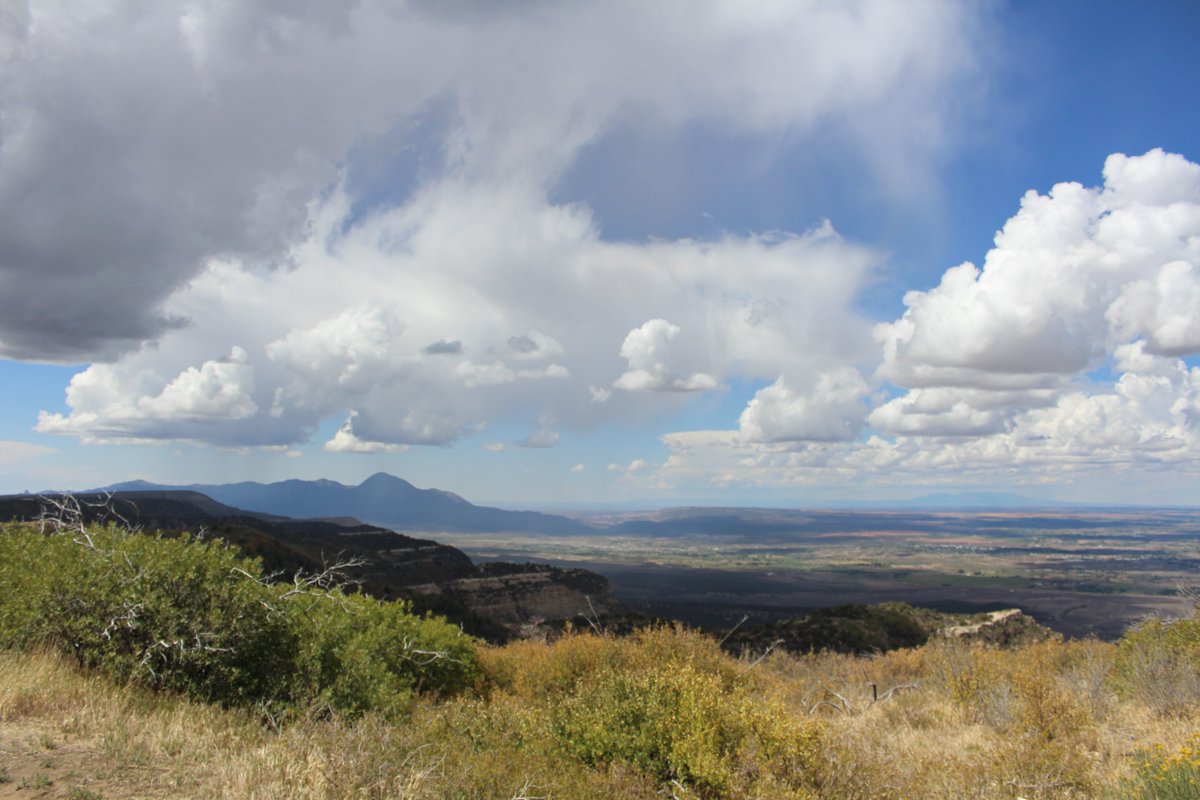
741 622
850 709
594 619
318 585
523 792
759 660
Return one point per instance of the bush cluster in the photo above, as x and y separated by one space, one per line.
194 616
667 703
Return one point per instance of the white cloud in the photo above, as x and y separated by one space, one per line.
649 350
997 363
635 466
1162 309
953 411
217 390
110 403
1148 422
760 306
457 294
344 441
578 468
340 356
831 410
1074 275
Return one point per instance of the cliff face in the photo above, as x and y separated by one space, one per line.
517 594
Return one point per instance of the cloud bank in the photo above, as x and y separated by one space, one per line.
1065 353
142 141
253 220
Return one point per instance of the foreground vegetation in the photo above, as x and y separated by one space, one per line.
134 666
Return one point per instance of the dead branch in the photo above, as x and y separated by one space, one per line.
594 620
317 585
759 660
741 622
850 709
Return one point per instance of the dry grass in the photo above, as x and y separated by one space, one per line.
1039 722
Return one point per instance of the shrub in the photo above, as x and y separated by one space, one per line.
360 654
172 613
667 703
196 617
1158 663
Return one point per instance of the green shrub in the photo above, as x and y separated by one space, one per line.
360 654
196 617
669 703
1158 663
172 613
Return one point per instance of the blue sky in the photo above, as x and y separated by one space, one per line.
604 253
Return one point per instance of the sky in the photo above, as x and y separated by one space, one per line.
605 253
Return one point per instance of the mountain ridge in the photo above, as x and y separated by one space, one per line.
381 499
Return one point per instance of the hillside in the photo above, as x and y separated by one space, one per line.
490 600
1054 721
202 678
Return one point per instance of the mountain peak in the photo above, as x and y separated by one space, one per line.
381 479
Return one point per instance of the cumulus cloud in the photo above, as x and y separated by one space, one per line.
1149 421
345 441
217 390
651 354
1162 309
339 356
996 366
831 410
635 466
1074 274
219 393
763 305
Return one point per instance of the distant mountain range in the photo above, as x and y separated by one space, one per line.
381 499
977 500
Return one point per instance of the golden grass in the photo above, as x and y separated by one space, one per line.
1039 722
